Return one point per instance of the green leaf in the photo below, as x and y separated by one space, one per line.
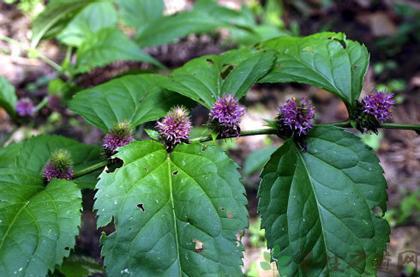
79 266
325 60
30 156
55 17
257 159
7 96
206 16
139 100
319 207
91 19
206 78
38 224
174 214
139 13
107 46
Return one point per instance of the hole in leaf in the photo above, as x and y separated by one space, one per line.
227 68
198 247
341 41
66 248
114 164
141 206
175 172
210 61
378 212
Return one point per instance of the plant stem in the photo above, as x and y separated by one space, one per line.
28 49
264 131
90 169
401 126
42 104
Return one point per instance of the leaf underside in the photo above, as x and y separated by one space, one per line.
174 214
318 207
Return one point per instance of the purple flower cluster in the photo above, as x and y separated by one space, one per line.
225 116
378 105
175 127
25 107
59 166
296 116
119 136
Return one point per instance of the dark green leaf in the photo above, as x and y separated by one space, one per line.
57 12
38 224
206 16
7 96
206 78
175 214
319 207
79 266
31 156
138 13
139 100
107 46
257 159
325 60
91 19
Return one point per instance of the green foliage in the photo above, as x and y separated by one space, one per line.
206 16
30 156
91 19
139 100
325 60
257 159
174 214
206 78
409 206
78 266
55 17
319 207
139 14
107 46
38 224
7 96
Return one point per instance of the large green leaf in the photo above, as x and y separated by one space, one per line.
257 159
7 96
138 13
206 78
319 207
175 214
106 46
139 100
38 224
30 156
325 60
91 19
55 16
206 16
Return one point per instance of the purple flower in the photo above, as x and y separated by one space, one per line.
59 166
296 116
25 107
225 116
175 127
378 105
119 136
